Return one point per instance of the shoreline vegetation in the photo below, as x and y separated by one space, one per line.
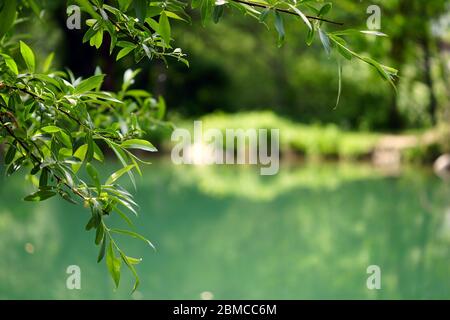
329 142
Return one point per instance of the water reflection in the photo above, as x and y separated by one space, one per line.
228 233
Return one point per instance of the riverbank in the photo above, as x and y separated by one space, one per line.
331 142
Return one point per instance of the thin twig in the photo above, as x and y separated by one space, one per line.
37 97
259 5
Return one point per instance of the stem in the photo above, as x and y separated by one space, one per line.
259 5
37 97
38 161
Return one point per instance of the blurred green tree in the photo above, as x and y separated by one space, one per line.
412 41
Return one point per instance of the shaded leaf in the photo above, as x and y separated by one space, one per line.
41 195
7 15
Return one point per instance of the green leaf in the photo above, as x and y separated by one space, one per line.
11 64
48 62
164 27
91 223
99 235
196 4
116 175
90 149
86 5
121 155
264 14
325 9
349 32
28 56
7 15
347 55
325 41
88 35
15 166
310 37
97 39
124 217
130 264
140 6
124 52
89 84
302 15
374 33
174 16
153 24
114 264
80 154
217 13
134 235
43 180
40 196
124 5
133 261
51 129
64 138
101 253
339 84
139 144
35 7
67 197
93 173
10 155
206 8
279 26
68 175
98 153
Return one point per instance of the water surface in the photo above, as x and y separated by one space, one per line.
308 233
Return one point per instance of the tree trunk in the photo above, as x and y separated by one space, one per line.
428 78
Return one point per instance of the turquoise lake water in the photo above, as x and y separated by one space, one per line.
225 232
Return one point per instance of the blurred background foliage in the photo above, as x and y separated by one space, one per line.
235 67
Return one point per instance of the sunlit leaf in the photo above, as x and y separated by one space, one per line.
28 56
116 175
139 144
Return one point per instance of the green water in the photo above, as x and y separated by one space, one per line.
310 232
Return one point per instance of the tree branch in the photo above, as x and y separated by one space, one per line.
259 5
37 160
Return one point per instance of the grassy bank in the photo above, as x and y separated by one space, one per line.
309 140
326 141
